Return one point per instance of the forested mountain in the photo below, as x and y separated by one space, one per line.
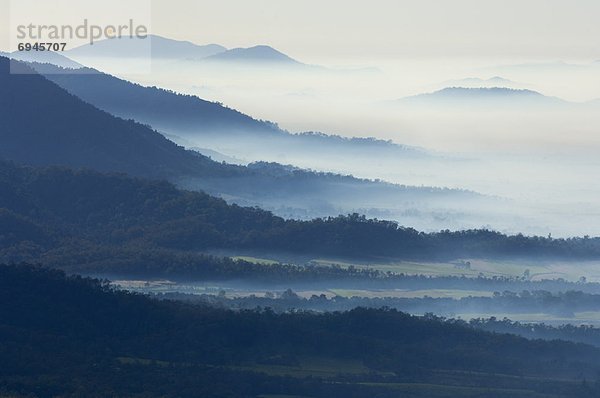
205 123
86 217
151 105
74 337
42 124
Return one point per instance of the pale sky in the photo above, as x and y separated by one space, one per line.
391 28
359 29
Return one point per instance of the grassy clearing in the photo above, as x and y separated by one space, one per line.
399 293
538 270
310 366
442 391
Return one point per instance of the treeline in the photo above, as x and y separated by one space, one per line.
561 304
75 337
536 302
53 211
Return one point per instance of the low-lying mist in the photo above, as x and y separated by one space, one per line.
537 156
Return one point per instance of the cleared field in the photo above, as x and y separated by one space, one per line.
434 390
578 318
310 366
534 270
232 291
398 293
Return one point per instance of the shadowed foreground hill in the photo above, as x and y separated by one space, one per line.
73 337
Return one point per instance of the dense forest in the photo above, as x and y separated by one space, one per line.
563 304
76 337
85 217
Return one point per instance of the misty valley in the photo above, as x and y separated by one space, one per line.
240 222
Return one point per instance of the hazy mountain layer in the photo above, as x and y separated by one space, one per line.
67 131
153 46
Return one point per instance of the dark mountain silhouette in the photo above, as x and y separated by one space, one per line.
157 46
256 54
158 107
43 124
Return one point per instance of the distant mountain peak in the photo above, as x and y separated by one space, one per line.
483 97
157 46
485 91
457 92
477 82
259 53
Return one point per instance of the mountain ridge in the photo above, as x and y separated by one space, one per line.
190 117
70 132
158 47
255 54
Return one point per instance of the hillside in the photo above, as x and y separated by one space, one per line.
73 337
43 124
69 132
151 105
61 217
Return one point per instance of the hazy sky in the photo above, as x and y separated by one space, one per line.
395 28
359 29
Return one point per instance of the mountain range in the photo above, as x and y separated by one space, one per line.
476 82
156 46
194 122
260 54
70 132
79 220
161 48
